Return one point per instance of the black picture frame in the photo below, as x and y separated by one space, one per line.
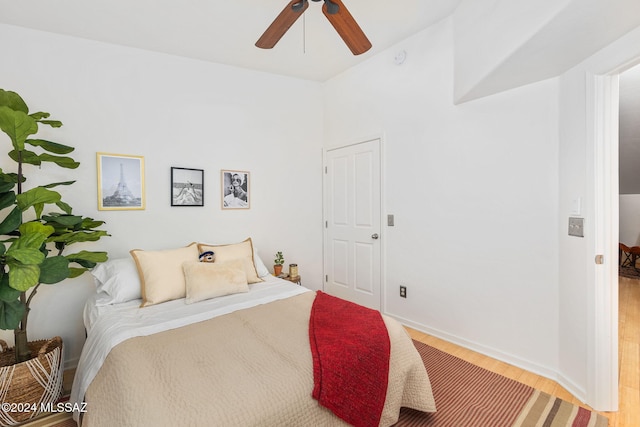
187 187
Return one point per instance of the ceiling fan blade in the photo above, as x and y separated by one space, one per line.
282 23
347 28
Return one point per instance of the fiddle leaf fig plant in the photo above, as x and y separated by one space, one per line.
32 242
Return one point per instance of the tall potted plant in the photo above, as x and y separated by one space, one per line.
32 241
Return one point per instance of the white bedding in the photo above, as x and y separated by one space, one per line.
107 326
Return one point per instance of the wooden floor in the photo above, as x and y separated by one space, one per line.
629 360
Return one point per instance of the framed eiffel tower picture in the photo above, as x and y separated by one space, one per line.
120 182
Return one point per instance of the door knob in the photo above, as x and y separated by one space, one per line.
374 236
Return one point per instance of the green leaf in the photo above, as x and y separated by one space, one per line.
25 156
7 293
52 123
89 223
11 314
88 259
10 178
6 186
36 228
39 115
52 147
31 158
65 207
17 125
7 199
13 101
63 162
55 184
22 277
12 221
75 272
54 269
79 236
26 249
94 257
24 256
66 220
35 196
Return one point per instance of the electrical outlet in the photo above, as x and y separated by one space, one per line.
403 291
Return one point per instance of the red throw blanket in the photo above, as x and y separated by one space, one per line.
350 347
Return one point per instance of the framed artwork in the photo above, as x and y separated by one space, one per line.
120 182
236 190
187 187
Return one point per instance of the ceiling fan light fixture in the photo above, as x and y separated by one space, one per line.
332 8
299 6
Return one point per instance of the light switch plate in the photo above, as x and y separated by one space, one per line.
390 220
576 227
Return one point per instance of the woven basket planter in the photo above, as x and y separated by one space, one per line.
28 387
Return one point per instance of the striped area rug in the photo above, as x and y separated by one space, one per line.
470 396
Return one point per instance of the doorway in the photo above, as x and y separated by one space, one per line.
352 238
603 94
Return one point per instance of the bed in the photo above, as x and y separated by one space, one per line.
238 359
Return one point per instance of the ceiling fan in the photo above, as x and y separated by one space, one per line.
336 13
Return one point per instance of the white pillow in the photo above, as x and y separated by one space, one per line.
117 280
261 269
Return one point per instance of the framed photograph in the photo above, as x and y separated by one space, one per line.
236 190
187 187
120 182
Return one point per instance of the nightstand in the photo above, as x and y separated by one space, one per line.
294 279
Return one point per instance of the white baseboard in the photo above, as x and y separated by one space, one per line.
544 371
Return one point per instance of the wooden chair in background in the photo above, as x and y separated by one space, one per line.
628 255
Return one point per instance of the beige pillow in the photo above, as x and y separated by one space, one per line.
206 280
161 274
242 250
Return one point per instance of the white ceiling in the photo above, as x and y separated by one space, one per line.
226 31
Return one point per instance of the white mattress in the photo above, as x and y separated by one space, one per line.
107 326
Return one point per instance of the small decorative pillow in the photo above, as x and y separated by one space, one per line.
208 256
205 280
242 250
161 274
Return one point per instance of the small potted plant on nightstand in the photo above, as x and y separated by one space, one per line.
277 264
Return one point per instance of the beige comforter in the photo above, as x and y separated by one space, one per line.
252 367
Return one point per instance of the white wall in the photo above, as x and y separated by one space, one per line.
174 112
630 219
474 192
503 44
480 50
